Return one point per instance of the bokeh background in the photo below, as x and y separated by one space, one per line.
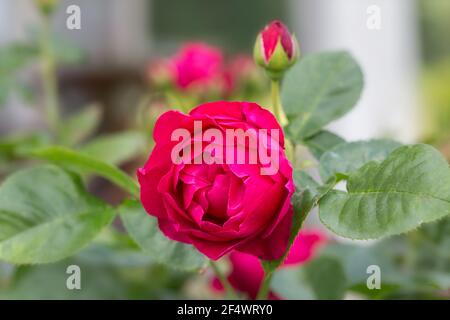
406 64
405 61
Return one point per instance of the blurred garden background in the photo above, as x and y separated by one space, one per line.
105 66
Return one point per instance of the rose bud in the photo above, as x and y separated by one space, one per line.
276 49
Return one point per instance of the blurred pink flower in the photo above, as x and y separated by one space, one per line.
247 273
198 65
201 69
161 72
242 68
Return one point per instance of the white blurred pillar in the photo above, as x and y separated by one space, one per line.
388 56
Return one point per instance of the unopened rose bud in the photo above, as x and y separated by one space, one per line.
276 49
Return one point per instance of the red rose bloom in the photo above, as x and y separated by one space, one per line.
219 207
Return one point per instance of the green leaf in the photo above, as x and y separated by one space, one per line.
81 125
83 163
16 56
116 148
48 281
307 194
410 187
388 255
66 52
46 215
14 150
98 281
319 89
322 278
19 146
303 181
12 59
143 228
322 142
104 255
355 260
348 157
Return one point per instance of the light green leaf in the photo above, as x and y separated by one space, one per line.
322 142
12 59
410 187
319 89
348 157
98 281
18 146
104 255
46 215
116 148
66 52
15 56
439 280
303 181
143 228
322 278
15 150
356 258
388 255
48 281
81 125
83 163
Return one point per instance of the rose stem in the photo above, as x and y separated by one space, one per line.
276 103
265 286
276 99
226 284
49 76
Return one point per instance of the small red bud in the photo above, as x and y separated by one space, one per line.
276 49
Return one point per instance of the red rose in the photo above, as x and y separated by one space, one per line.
218 207
247 273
